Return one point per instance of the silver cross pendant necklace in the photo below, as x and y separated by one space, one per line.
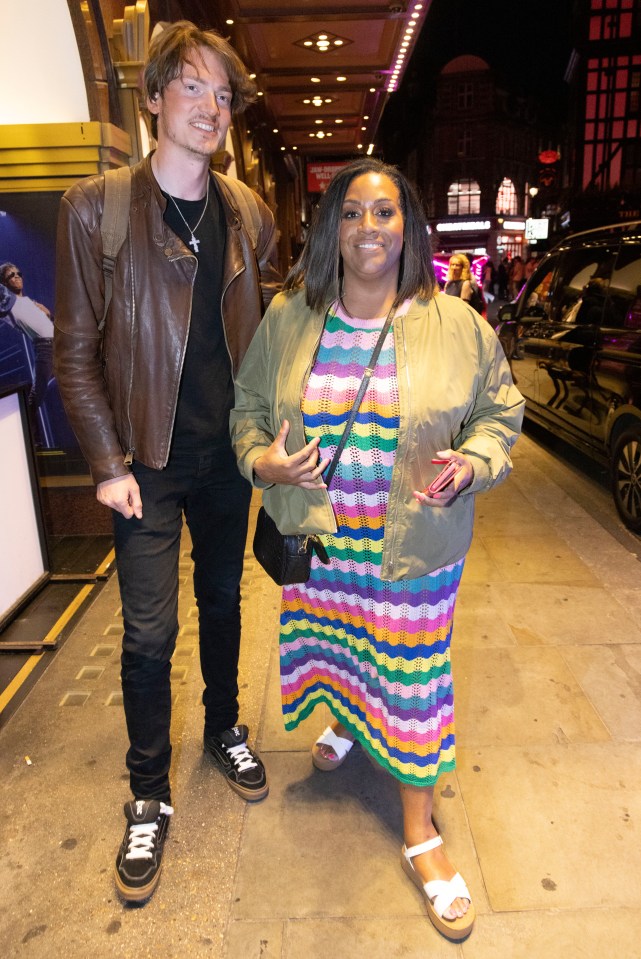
193 243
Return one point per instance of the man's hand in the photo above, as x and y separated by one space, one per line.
300 469
121 493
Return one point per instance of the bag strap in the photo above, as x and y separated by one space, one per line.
367 375
114 224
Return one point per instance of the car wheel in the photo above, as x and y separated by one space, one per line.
626 477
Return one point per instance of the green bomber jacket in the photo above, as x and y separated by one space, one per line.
455 389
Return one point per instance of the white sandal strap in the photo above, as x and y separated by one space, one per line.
340 745
422 847
442 892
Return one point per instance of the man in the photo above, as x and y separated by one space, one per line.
34 320
150 402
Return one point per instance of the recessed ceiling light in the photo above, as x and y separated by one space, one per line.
252 76
372 89
275 130
321 42
294 148
338 121
318 121
315 79
360 146
282 148
363 128
365 118
229 22
341 79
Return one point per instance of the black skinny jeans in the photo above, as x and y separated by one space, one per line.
214 498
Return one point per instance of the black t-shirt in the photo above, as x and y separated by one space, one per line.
206 393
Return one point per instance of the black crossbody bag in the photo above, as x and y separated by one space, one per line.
287 558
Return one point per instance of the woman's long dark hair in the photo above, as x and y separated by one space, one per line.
319 267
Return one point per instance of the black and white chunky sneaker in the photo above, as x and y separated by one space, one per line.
241 766
139 859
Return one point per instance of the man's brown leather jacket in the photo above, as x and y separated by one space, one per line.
120 389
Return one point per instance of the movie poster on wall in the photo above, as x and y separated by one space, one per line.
27 293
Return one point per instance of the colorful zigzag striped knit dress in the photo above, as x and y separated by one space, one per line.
376 653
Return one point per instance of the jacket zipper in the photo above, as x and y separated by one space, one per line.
304 380
240 270
388 541
129 456
222 320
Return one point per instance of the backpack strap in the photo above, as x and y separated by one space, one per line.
245 200
114 224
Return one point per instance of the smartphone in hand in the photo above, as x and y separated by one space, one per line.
444 478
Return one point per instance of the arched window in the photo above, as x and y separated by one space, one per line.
463 196
506 200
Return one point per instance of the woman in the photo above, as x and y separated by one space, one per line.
458 281
369 634
517 276
489 281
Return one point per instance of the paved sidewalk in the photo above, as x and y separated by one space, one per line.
542 816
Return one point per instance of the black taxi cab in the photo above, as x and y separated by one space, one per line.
573 338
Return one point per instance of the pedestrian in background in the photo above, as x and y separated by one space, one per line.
460 282
458 278
489 280
502 278
530 267
517 276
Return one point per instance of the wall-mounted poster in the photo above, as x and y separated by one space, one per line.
27 286
24 562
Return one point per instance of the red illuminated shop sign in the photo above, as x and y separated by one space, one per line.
549 156
319 175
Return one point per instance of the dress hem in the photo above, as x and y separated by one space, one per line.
323 699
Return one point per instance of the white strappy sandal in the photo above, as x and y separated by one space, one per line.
440 894
339 744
